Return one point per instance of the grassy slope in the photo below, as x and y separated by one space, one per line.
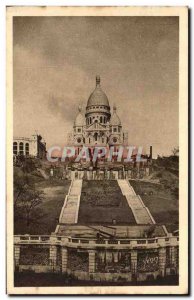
163 204
45 216
101 202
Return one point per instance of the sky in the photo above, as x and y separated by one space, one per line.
56 60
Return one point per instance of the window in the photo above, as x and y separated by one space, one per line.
115 129
96 136
15 148
79 130
27 148
21 148
100 119
114 140
79 140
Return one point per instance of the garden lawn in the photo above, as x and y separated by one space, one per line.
162 204
102 202
44 217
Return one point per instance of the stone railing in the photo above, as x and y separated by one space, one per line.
106 175
92 243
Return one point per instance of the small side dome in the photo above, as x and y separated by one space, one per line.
115 120
79 120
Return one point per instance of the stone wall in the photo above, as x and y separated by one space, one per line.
111 262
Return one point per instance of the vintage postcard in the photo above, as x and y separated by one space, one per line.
97 150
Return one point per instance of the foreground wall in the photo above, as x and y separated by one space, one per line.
92 259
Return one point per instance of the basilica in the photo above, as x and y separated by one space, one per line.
98 126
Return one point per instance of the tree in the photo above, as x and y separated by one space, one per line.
175 151
29 200
20 188
28 165
26 197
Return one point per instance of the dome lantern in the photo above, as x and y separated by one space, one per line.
97 80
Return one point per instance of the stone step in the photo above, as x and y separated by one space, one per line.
142 216
76 187
69 213
140 212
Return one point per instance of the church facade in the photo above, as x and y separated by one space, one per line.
98 126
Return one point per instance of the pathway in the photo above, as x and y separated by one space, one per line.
70 209
141 213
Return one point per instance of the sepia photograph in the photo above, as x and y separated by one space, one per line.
97 150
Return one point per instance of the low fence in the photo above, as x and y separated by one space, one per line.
107 174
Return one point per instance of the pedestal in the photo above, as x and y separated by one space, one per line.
162 260
173 256
92 261
134 264
17 255
64 259
53 256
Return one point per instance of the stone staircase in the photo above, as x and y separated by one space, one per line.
141 213
70 209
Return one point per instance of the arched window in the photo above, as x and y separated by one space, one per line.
15 148
21 148
96 136
27 148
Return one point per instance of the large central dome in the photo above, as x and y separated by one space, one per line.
98 97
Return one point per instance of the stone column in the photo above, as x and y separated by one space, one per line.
162 260
53 256
115 256
134 263
92 261
64 259
17 255
72 175
173 256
